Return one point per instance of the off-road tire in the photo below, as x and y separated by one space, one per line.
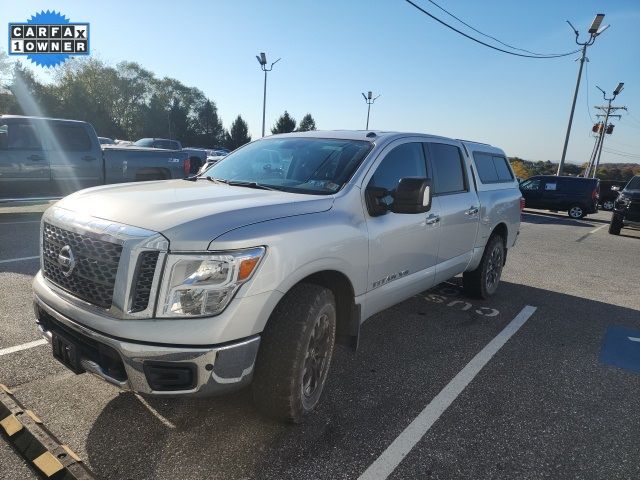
475 282
615 225
280 376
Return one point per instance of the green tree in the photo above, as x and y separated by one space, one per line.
520 168
209 126
179 121
285 124
238 134
307 123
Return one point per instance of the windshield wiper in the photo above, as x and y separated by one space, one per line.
257 185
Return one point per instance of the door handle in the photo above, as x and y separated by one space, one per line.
36 158
472 211
88 158
433 219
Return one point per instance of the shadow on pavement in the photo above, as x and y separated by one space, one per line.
408 354
541 218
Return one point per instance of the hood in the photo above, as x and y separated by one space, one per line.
190 214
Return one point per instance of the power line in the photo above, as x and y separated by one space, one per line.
484 43
624 144
622 154
491 37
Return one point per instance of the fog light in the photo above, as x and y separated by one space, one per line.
164 376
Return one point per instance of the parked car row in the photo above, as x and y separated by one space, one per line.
44 157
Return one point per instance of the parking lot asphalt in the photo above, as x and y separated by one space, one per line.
543 406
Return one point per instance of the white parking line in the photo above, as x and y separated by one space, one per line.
24 346
387 462
18 223
154 412
599 228
19 259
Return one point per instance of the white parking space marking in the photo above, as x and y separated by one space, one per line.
634 339
387 462
19 259
24 346
154 412
19 223
599 228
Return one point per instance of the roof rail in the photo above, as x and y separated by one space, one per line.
473 141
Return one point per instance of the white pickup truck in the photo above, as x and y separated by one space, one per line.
251 272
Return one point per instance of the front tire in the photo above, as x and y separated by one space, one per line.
295 353
576 212
483 281
615 225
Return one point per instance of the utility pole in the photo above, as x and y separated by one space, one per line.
593 31
262 60
369 99
598 129
608 109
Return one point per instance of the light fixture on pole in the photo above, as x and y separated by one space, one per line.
593 31
262 60
369 98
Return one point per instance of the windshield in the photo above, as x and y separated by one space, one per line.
634 184
319 166
157 143
144 142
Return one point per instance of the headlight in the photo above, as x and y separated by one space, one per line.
203 285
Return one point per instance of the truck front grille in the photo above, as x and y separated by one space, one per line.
96 264
144 280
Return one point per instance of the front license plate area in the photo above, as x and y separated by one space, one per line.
67 353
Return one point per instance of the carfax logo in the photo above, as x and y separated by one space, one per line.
48 38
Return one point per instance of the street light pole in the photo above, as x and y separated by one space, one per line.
369 99
594 31
262 60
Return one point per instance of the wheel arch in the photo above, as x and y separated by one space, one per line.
347 311
502 230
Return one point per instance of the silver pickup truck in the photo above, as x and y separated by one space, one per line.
253 271
47 157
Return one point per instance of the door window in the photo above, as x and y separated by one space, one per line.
492 168
530 185
448 171
406 160
19 136
551 186
71 138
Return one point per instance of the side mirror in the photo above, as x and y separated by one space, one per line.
374 199
412 195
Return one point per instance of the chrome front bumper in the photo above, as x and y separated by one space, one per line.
219 369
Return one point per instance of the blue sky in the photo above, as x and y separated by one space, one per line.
430 78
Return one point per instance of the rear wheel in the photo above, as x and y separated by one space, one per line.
483 281
577 211
295 353
607 205
615 225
